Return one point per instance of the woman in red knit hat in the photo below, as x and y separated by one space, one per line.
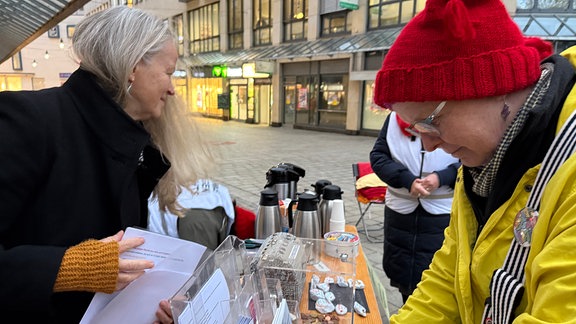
464 77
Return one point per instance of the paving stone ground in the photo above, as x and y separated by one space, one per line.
247 151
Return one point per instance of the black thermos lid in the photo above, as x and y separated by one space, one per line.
320 184
307 202
268 197
331 192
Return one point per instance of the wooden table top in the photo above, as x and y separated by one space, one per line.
362 273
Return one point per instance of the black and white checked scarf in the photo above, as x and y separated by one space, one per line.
507 284
484 176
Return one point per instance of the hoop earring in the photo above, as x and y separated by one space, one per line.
129 87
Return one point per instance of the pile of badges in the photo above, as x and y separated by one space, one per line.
325 299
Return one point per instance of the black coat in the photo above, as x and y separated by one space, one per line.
74 166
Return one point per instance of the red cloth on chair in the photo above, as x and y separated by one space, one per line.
364 168
377 194
368 194
244 222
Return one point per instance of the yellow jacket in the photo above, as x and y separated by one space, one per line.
456 286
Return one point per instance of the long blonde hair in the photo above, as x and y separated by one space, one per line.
109 44
177 136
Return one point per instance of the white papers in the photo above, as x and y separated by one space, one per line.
210 305
282 315
174 262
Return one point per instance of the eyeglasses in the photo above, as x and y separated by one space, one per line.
425 126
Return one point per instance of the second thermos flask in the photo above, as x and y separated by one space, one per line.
325 208
268 214
306 221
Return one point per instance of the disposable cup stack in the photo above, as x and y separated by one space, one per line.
337 220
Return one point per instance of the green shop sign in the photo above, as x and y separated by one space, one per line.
220 71
348 4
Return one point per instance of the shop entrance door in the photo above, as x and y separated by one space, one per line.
263 104
289 100
238 102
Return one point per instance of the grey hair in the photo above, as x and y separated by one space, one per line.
110 44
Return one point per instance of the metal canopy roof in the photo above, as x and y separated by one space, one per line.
370 41
548 26
22 21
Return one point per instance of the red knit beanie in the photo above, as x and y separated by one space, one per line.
457 50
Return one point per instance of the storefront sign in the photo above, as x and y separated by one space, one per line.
349 4
201 71
234 72
262 81
220 71
264 67
249 71
198 74
179 74
238 81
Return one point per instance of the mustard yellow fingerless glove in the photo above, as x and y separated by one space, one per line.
89 266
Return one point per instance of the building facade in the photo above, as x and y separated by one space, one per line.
46 62
301 63
309 63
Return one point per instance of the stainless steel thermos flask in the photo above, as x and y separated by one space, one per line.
306 223
329 193
268 215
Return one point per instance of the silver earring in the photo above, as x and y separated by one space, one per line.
129 87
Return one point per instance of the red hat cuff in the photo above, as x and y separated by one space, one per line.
489 74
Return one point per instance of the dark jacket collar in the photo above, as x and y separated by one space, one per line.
105 117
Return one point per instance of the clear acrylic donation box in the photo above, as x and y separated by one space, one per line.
287 280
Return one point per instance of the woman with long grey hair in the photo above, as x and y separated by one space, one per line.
80 160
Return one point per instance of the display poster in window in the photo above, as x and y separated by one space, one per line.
333 98
199 98
303 98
